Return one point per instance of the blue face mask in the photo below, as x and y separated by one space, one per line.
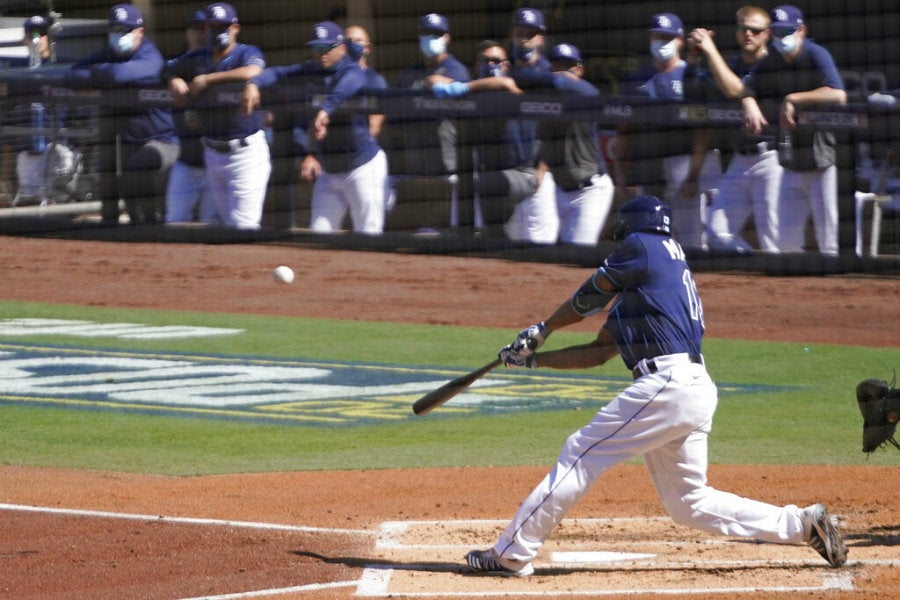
121 43
355 50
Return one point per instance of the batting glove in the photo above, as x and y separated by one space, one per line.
513 359
530 339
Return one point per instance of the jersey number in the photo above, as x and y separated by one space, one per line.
693 297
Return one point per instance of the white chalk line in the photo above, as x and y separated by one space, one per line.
375 580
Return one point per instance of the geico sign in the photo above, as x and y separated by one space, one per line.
154 96
540 108
725 114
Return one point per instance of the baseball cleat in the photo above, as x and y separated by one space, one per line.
486 562
824 536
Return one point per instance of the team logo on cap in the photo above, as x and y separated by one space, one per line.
321 33
433 19
565 50
218 12
781 15
529 17
121 14
664 21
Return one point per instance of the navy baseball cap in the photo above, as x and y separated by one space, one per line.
198 17
529 17
326 32
36 22
434 23
221 13
668 24
786 18
125 15
565 52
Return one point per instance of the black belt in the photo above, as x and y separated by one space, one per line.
580 185
226 145
753 149
652 368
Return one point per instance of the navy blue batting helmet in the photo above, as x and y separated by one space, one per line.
643 213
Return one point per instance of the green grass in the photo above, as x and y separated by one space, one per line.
815 421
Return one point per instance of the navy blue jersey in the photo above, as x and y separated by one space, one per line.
219 106
657 310
105 69
349 144
414 77
812 68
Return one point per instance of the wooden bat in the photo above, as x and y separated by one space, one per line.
436 397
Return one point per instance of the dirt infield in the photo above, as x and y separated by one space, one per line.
403 533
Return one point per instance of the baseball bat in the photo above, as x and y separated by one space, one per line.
436 397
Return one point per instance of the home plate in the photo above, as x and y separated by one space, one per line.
596 558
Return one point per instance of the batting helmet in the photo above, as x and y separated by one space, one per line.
643 213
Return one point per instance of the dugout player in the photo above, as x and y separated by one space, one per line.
570 169
665 415
187 197
797 74
751 182
359 48
671 162
339 155
149 144
236 151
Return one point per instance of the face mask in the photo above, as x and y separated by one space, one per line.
786 44
663 50
489 70
522 54
355 50
218 39
432 46
121 43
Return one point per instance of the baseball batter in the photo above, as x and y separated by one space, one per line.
656 325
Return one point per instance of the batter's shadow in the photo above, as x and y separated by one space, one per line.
369 563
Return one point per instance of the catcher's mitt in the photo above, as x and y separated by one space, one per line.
879 403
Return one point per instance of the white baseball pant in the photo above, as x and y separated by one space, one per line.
689 214
750 185
803 193
535 219
582 213
666 417
364 191
238 180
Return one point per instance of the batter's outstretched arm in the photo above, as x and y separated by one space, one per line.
583 356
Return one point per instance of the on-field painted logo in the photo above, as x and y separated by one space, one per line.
285 391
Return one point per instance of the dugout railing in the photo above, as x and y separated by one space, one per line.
856 125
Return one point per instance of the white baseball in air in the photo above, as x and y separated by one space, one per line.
283 274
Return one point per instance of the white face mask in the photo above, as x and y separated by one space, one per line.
432 46
663 50
786 44
122 43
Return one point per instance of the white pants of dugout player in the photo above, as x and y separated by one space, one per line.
804 193
750 185
666 417
553 214
237 180
363 191
689 214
